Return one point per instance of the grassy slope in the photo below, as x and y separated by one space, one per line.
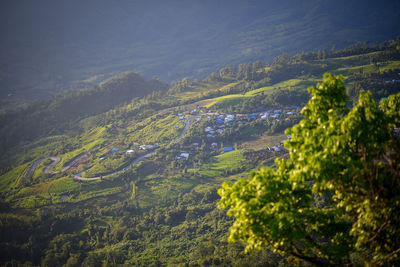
155 191
93 139
220 163
14 177
62 113
157 130
343 65
164 128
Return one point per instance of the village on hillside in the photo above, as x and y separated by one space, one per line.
213 132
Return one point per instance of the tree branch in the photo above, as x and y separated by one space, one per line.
314 260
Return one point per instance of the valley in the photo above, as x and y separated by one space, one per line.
133 179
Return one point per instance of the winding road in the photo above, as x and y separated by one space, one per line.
185 129
78 176
136 161
55 161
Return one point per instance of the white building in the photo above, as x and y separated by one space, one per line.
220 131
147 147
184 155
208 129
130 152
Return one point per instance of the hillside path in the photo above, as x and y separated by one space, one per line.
72 163
78 176
55 161
185 129
136 161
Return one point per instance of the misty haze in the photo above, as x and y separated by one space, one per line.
199 133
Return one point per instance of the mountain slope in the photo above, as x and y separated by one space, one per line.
50 47
158 206
64 111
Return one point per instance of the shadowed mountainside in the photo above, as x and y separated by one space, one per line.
48 47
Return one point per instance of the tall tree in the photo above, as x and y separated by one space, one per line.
338 194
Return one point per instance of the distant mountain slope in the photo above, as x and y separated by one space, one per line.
49 46
62 111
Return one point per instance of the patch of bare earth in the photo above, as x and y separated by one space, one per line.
83 162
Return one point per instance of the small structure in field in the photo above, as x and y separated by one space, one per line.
130 152
276 148
147 147
208 129
229 148
184 155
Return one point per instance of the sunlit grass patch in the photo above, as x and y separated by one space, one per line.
88 144
226 99
97 193
158 130
64 185
221 163
14 177
263 141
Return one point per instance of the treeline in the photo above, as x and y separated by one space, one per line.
305 63
381 84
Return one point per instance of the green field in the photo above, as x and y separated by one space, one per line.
223 162
64 185
159 130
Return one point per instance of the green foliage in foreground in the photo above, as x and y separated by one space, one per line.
336 200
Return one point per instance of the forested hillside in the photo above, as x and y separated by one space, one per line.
50 47
127 172
64 112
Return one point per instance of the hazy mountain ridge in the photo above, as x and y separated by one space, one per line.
50 47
